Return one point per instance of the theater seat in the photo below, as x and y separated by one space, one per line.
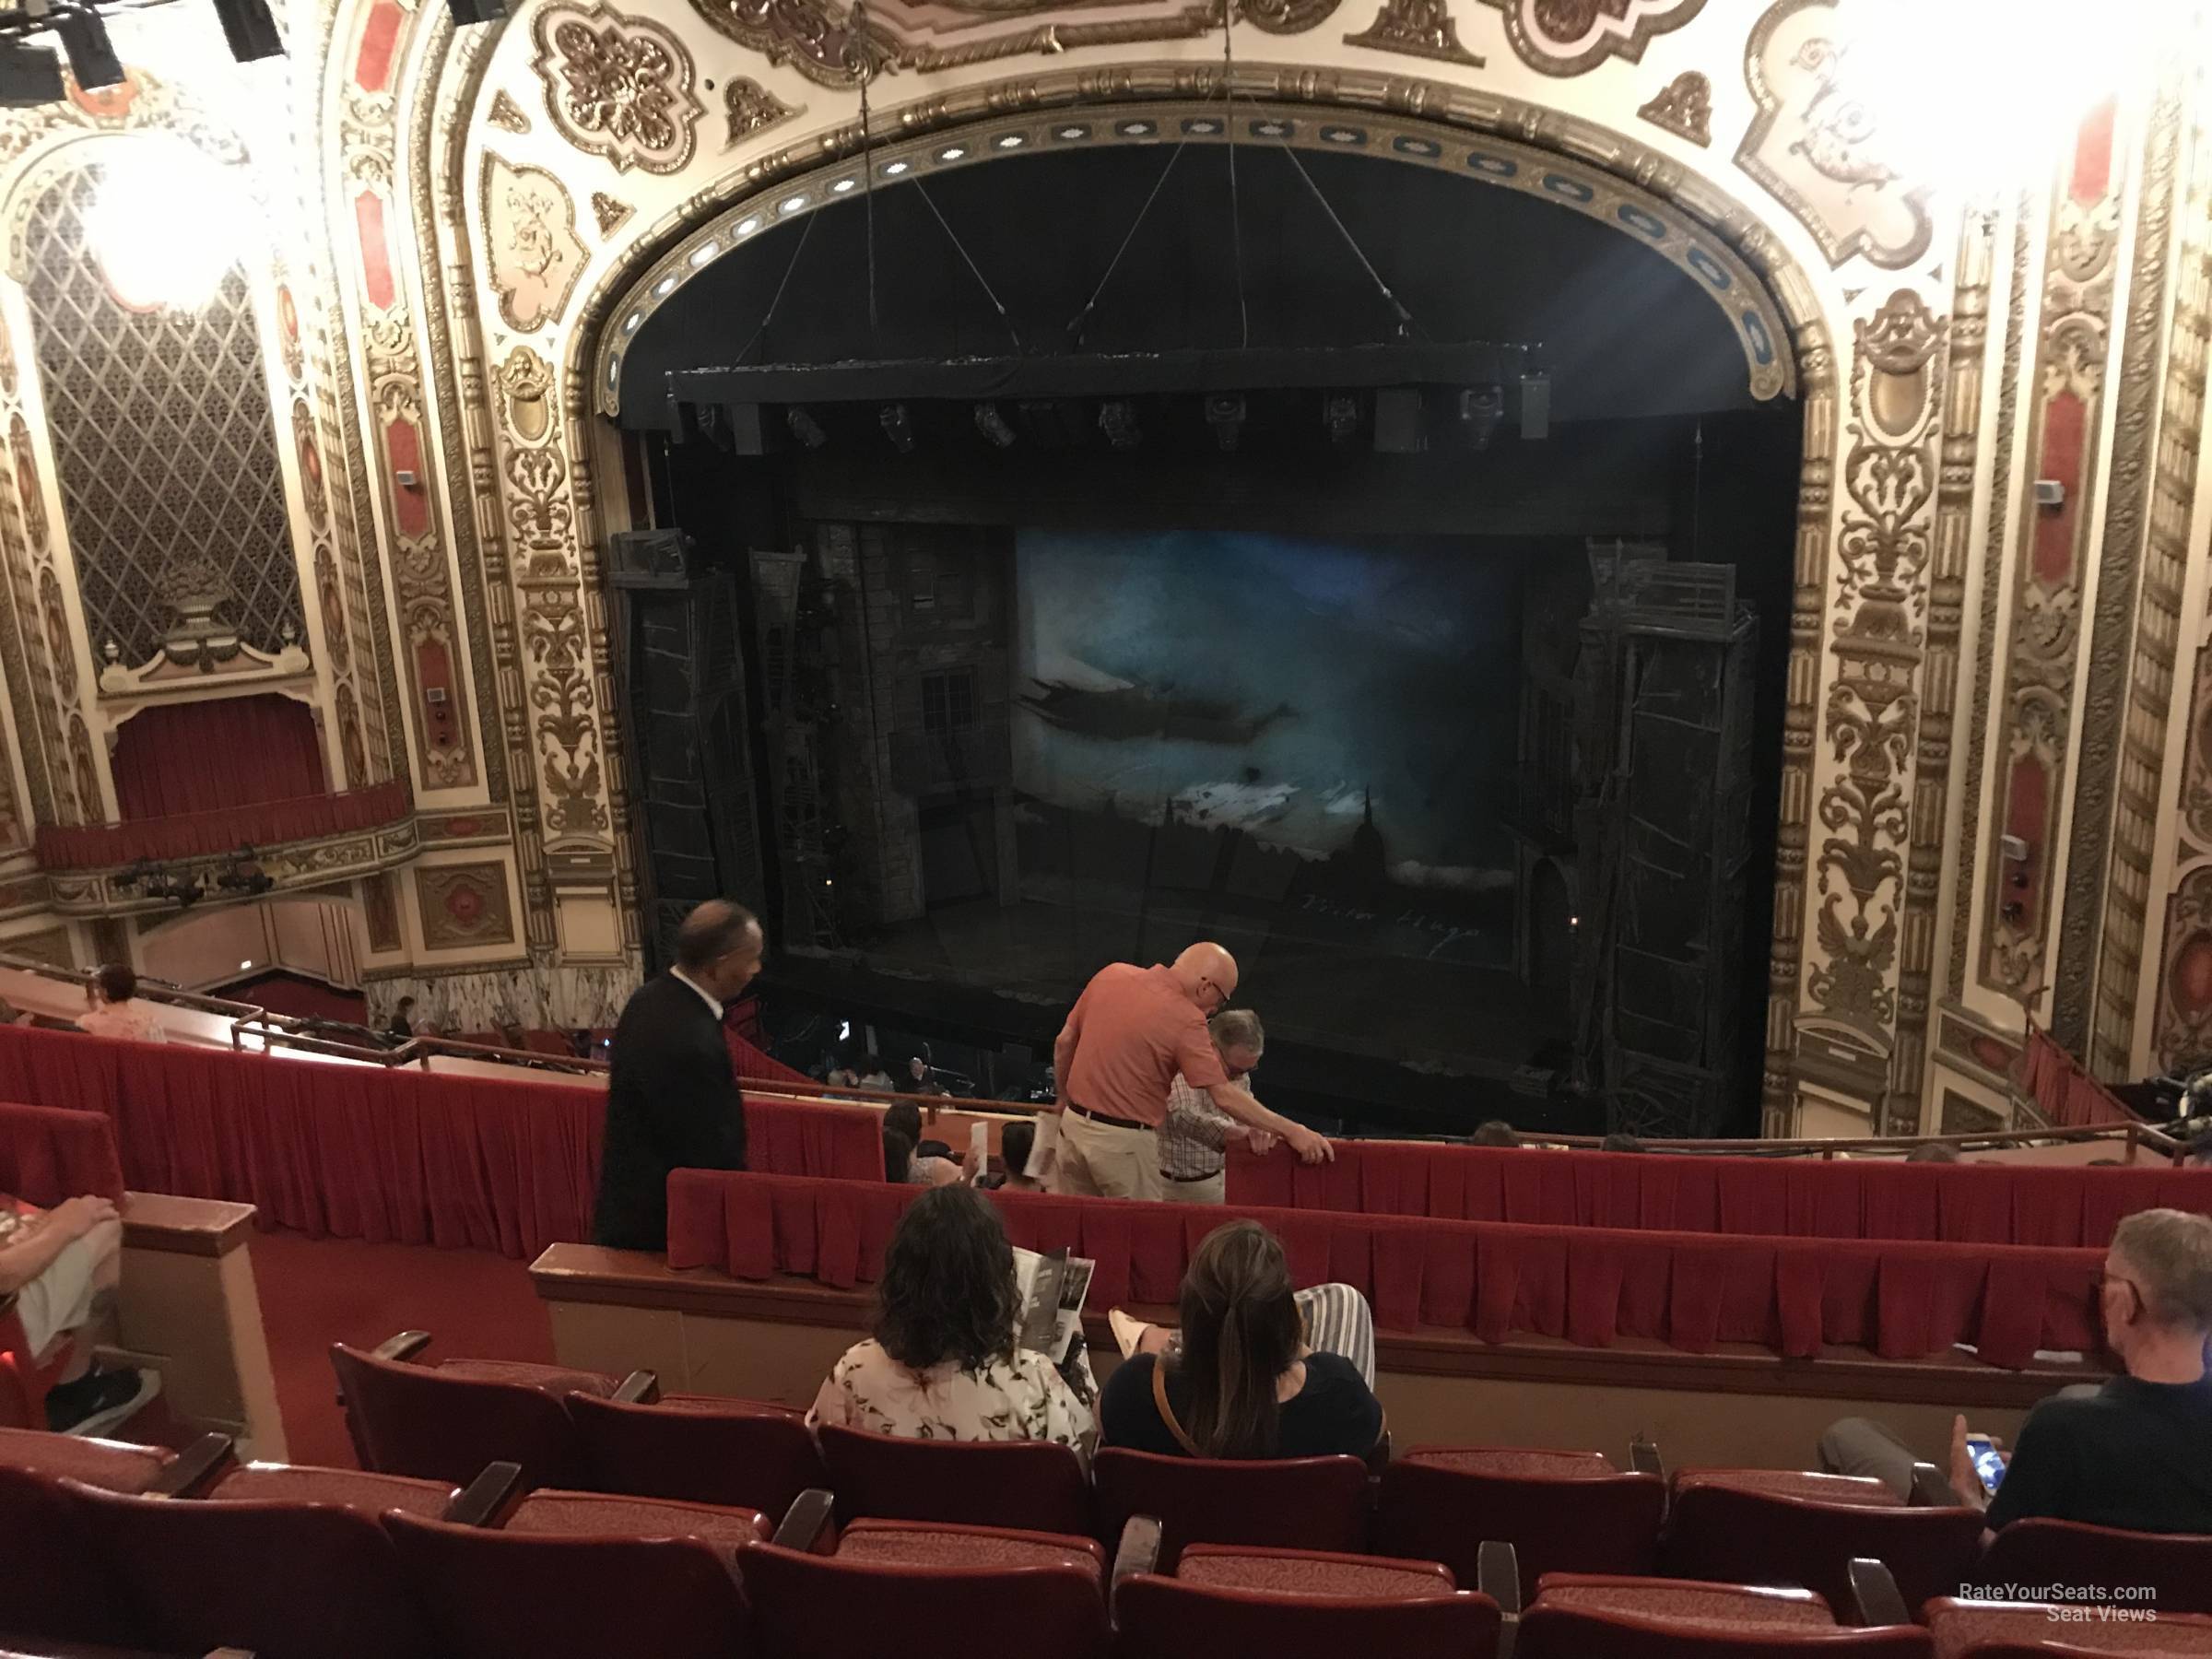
1310 1572
811 1606
697 1447
1980 1630
1026 1484
549 1512
1559 1510
1589 1616
2176 1568
1285 1603
114 1465
944 1544
1290 1504
509 1594
1765 1527
359 1489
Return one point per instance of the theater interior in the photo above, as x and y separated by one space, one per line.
1645 565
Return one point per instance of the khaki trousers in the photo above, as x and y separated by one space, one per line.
1104 1161
1213 1189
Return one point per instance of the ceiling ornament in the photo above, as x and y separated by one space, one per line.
751 107
506 114
1683 107
1286 17
530 227
1570 37
1419 27
618 87
610 213
1819 151
827 49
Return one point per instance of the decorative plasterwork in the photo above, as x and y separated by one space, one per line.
380 912
618 87
530 235
1570 37
1683 107
1418 29
2051 560
506 114
610 213
1646 218
464 907
749 108
2184 1005
1819 149
308 864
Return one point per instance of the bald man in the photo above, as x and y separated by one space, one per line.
672 1097
1130 1032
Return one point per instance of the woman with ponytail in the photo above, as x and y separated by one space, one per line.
1242 1381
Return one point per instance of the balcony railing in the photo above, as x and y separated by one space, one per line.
212 834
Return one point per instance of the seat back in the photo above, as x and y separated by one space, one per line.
532 1596
1442 1503
1735 1533
1295 1503
1031 1485
413 1419
2175 1568
282 1581
809 1606
731 1451
1157 1618
1572 1633
54 1584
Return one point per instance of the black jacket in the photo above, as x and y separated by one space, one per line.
672 1103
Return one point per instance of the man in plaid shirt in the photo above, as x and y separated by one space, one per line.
1191 1141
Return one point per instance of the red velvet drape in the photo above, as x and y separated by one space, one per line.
2064 1094
213 753
47 1155
1589 1286
1799 1197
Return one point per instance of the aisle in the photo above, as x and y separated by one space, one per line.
314 1292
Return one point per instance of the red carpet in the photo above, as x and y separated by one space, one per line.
317 1292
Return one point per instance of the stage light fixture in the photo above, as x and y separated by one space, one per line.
477 11
1225 413
992 424
1340 417
1481 408
1117 420
897 427
92 60
30 76
805 428
250 28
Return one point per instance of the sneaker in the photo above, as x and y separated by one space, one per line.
98 1400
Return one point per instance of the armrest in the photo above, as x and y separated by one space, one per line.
1138 1551
1930 1489
1874 1595
190 1470
1644 1457
485 1496
1497 1575
640 1388
805 1520
405 1346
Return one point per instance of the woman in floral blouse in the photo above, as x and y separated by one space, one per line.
943 1363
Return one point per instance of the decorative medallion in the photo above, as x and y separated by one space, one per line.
1683 107
828 51
313 487
751 107
530 229
379 910
107 106
2185 995
463 905
1286 17
53 616
30 495
506 114
288 333
610 213
1819 151
1419 27
616 86
526 391
1568 36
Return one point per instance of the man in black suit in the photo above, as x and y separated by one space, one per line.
672 1100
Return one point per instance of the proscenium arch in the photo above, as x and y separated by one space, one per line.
1666 230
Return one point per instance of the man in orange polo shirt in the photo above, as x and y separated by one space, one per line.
1130 1032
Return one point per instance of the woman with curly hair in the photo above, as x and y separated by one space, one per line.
943 1363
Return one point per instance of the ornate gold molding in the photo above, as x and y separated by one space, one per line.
1683 107
292 866
616 86
1418 29
1572 37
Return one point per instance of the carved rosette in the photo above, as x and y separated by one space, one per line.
536 255
1571 37
618 87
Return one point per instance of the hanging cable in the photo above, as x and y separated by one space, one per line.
768 316
1405 317
1074 323
1236 212
857 63
974 269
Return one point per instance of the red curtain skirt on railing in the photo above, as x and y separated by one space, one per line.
212 834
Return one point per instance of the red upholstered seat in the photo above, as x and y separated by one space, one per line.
2175 1568
117 1466
810 1606
53 1585
1031 1484
1747 1526
559 1381
1159 1618
942 1544
1559 1510
1580 1616
504 1594
1708 1605
438 1423
1290 1504
1977 1630
349 1488
610 1515
699 1447
1310 1572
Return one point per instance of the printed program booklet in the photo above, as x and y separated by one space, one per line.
1053 1288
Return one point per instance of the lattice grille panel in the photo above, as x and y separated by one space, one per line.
164 447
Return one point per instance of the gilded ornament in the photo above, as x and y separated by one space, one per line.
7 362
506 114
1418 27
829 51
1569 37
618 87
30 495
610 213
1683 107
526 385
1286 17
751 107
530 229
313 487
